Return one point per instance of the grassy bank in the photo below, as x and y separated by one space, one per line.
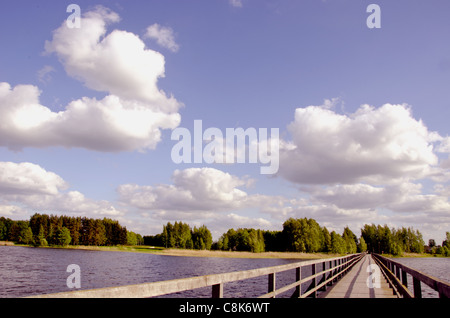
195 253
226 254
211 253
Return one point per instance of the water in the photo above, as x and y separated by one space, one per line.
438 267
26 271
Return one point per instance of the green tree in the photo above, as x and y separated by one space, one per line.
26 236
337 244
326 240
362 246
63 236
131 238
431 243
304 235
40 239
350 240
201 238
446 242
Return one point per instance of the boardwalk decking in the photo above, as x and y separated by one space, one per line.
354 284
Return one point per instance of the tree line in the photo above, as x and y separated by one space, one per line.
181 235
298 235
382 239
43 230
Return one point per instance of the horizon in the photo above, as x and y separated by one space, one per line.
92 94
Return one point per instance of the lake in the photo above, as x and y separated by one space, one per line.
27 271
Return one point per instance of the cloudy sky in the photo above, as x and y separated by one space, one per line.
87 114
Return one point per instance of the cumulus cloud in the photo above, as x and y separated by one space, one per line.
117 62
193 189
164 36
373 144
28 179
29 187
401 197
110 124
129 118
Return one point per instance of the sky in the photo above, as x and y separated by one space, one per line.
88 112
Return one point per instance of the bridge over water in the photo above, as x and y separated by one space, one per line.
352 276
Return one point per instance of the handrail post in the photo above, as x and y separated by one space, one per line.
314 281
404 278
298 277
271 286
417 288
217 291
330 264
397 272
324 287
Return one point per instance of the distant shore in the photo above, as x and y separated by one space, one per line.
229 254
6 243
192 253
204 253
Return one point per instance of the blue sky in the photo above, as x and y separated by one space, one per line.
305 67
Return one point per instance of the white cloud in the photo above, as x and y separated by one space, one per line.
117 62
375 145
28 187
236 3
72 202
193 190
28 179
163 35
130 118
110 124
444 146
401 197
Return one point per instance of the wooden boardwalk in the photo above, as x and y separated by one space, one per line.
354 284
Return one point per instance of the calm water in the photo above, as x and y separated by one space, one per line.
28 271
438 267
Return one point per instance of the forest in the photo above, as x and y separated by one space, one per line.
298 235
43 230
181 235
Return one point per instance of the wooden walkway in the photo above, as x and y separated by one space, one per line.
354 284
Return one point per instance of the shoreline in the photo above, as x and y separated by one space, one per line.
207 253
191 253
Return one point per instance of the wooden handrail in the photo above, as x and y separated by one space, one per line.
216 281
396 271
